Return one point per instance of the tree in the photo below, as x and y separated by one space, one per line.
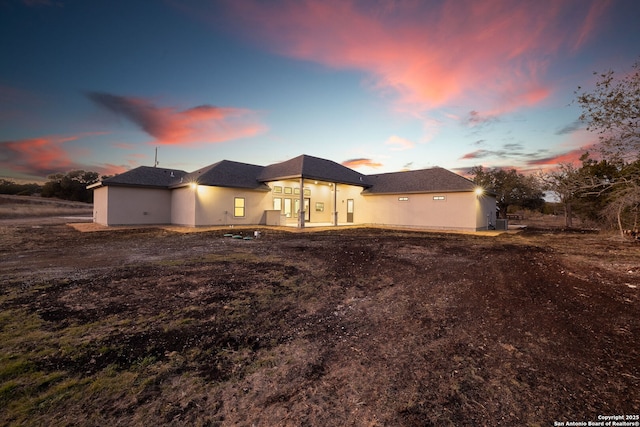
11 187
623 198
511 188
613 111
565 183
584 190
70 186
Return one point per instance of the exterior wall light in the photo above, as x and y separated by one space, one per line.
193 185
479 191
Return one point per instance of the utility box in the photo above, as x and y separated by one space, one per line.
273 218
502 224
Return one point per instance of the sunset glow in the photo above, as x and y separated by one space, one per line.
377 86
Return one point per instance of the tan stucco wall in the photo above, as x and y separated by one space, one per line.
486 212
206 206
456 211
128 205
100 205
215 206
319 192
183 206
346 192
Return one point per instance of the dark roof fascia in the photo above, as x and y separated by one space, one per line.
362 183
120 184
262 187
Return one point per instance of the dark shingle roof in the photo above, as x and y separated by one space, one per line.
419 181
227 174
310 167
146 176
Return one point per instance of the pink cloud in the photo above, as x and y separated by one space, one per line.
168 125
478 154
399 144
358 163
596 11
572 156
41 156
430 54
569 157
109 169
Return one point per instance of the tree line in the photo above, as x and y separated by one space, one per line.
605 187
67 186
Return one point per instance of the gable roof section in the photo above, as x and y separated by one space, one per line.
144 176
226 173
310 167
419 181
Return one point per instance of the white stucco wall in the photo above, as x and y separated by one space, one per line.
100 205
455 211
318 192
183 206
346 192
486 212
129 205
204 206
215 206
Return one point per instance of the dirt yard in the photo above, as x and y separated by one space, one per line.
354 327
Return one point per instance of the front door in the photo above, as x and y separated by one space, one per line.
349 210
307 211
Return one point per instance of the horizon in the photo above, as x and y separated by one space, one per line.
377 87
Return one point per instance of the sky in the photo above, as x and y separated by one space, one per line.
379 86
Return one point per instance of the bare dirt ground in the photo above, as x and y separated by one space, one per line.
361 327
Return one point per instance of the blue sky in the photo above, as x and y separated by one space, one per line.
379 86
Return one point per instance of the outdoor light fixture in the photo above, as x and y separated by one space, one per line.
193 185
479 191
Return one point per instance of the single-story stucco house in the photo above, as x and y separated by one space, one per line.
304 190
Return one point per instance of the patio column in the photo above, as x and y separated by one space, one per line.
335 204
301 212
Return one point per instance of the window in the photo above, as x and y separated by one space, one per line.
288 190
307 192
438 197
277 189
238 207
296 191
277 204
287 207
403 199
319 206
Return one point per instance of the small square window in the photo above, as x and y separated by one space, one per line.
288 190
277 189
319 206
